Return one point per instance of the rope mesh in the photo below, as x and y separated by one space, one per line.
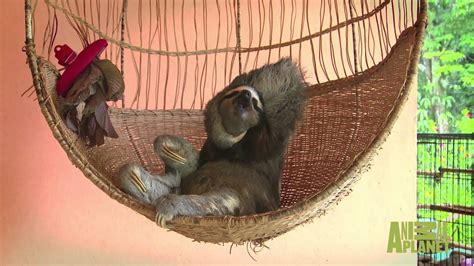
183 52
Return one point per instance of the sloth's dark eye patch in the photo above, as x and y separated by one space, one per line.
230 95
255 104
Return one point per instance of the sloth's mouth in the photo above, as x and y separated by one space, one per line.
243 105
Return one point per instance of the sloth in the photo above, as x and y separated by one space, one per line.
238 170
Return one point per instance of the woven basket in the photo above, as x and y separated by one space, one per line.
345 120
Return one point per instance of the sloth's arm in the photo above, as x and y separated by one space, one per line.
282 87
283 108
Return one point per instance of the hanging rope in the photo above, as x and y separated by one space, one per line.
123 18
353 37
237 32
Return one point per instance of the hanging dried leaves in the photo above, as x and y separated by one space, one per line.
85 110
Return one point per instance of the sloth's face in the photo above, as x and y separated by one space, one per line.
240 110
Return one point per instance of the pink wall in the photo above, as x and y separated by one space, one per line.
50 213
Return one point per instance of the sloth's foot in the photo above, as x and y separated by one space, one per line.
177 153
166 210
136 181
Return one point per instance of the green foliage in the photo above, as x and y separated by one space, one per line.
446 104
466 123
446 69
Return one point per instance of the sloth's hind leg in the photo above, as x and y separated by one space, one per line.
136 181
216 203
178 154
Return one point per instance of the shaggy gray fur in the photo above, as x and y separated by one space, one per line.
238 171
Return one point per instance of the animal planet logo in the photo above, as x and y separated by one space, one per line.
432 237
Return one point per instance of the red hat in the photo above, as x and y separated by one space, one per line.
75 64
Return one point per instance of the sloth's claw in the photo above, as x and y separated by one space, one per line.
178 154
172 155
138 182
162 219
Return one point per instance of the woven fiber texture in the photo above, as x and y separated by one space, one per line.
346 118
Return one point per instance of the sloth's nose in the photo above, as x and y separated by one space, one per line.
244 98
245 94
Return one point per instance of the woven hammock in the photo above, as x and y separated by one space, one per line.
360 58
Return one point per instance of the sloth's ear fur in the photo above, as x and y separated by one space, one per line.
282 89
